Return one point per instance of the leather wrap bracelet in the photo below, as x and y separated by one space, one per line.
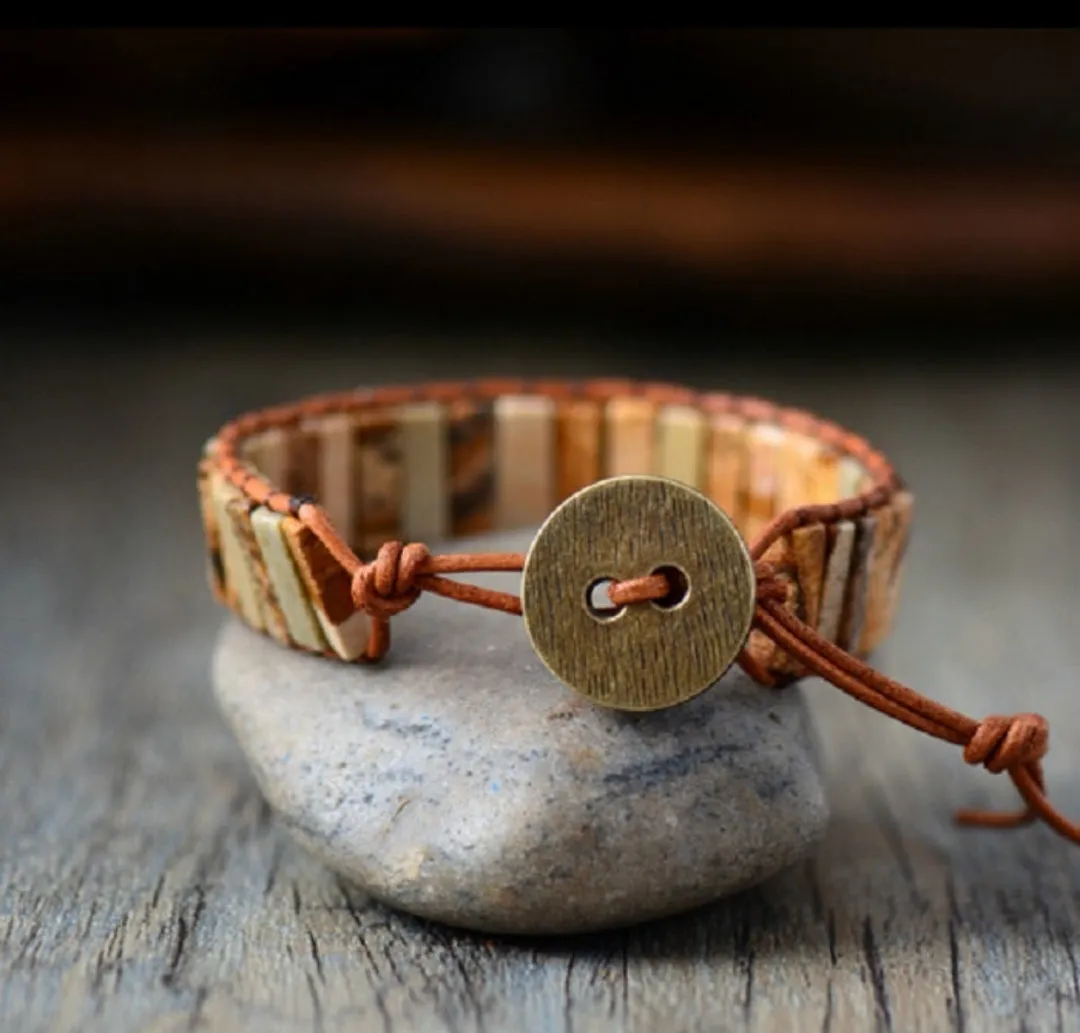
680 532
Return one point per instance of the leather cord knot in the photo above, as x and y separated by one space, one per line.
393 581
387 585
1001 743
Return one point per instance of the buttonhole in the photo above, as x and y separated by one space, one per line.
597 602
680 586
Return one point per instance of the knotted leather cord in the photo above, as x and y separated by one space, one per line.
394 580
397 576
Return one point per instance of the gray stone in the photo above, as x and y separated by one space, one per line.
460 781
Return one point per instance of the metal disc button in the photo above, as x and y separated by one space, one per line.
649 655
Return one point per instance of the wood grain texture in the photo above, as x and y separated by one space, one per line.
145 887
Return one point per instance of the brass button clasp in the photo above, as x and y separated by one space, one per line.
644 655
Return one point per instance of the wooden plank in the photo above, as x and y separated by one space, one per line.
579 435
727 472
241 587
145 884
425 485
472 467
681 439
524 460
628 442
842 544
300 620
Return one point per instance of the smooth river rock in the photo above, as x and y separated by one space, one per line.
460 781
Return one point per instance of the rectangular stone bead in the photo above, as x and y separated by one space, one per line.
425 475
904 505
823 485
800 558
472 467
240 510
579 433
807 474
853 478
764 441
727 466
268 453
215 571
628 444
241 588
378 479
791 472
329 590
854 619
837 568
302 474
890 536
681 438
338 491
300 621
524 459
809 546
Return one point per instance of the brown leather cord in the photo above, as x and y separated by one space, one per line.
1015 745
394 580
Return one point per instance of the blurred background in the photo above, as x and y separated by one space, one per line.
851 195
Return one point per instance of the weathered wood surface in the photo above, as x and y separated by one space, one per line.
144 885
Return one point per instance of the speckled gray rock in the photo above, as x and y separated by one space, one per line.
460 781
